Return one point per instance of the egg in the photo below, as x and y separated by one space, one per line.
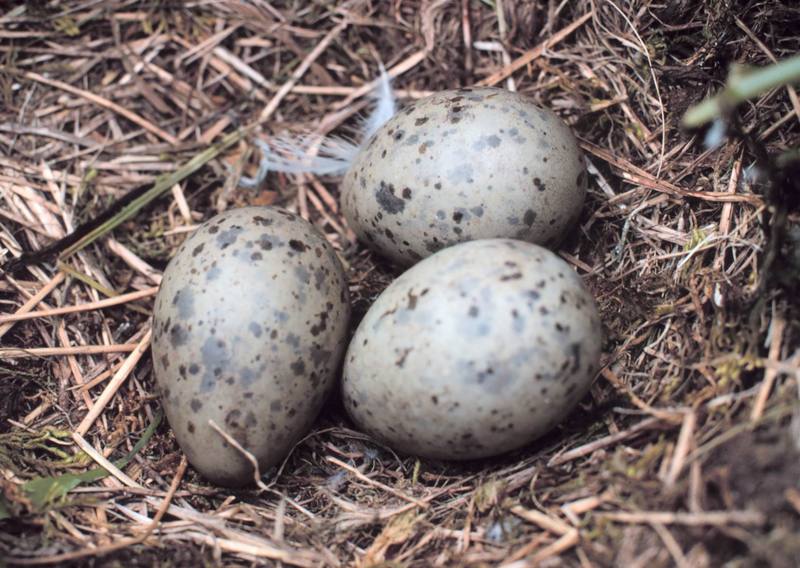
463 165
475 351
249 328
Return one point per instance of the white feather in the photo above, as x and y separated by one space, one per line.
334 154
384 107
715 135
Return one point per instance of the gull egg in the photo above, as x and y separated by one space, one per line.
249 327
464 165
474 351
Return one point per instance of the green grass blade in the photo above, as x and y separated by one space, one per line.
162 185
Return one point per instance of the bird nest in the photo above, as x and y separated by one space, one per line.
141 117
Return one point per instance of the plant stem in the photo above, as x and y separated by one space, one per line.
742 86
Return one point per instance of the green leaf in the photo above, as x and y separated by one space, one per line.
45 490
743 85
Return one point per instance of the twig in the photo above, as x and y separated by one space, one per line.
672 545
610 440
534 53
17 353
259 550
502 28
667 415
636 175
102 461
105 103
33 302
365 479
771 373
132 260
77 377
793 497
548 523
682 448
466 35
113 386
301 69
561 545
239 448
714 518
99 305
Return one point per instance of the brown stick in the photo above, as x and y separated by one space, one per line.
105 103
365 479
610 440
778 325
34 301
535 52
276 99
113 385
103 461
716 518
13 353
108 302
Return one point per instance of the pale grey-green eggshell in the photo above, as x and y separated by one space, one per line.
250 324
463 165
474 351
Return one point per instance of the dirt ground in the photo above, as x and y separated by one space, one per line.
686 452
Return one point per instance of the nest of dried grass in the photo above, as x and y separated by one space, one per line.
682 454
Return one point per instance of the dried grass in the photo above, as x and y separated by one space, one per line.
684 453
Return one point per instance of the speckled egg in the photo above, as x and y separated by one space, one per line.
250 324
475 351
464 165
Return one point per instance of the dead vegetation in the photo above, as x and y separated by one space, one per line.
686 451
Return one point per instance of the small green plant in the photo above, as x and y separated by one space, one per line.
779 176
744 83
44 490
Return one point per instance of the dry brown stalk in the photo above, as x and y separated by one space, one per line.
76 374
34 301
99 305
114 384
564 543
586 449
384 487
682 448
547 522
102 460
122 111
771 373
312 56
534 53
14 353
689 519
